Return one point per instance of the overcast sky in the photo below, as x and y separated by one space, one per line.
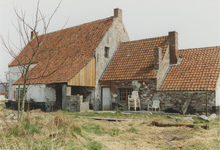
196 21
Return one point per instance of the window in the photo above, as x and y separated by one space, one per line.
106 52
124 92
21 93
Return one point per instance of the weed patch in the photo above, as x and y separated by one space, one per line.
133 129
115 131
199 120
13 131
39 118
199 146
78 130
94 145
94 129
31 128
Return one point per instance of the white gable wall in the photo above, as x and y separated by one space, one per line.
113 37
217 92
37 92
14 74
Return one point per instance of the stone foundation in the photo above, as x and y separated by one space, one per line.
168 100
75 103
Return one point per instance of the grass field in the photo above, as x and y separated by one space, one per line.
67 130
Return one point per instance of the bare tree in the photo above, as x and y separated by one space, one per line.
5 82
32 46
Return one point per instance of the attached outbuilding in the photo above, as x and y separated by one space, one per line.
159 71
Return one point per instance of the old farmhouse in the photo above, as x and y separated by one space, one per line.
100 67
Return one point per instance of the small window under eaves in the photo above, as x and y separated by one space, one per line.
106 52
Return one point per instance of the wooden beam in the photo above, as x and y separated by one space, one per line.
108 119
159 124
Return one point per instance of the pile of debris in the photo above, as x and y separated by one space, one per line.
8 118
192 117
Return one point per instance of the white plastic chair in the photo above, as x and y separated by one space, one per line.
134 101
156 104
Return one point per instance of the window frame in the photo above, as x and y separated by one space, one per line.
21 93
106 52
127 92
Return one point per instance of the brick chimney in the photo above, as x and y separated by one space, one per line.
33 34
173 46
118 13
157 57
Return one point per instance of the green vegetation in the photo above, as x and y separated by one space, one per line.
132 129
94 129
31 128
67 130
115 131
199 120
94 145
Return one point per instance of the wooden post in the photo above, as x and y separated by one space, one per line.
206 103
19 101
64 97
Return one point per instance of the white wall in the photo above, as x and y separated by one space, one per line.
50 94
113 37
14 74
37 92
217 92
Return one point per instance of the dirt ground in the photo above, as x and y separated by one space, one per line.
67 130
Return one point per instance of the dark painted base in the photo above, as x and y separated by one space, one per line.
28 105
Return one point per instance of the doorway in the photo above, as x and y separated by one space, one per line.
106 98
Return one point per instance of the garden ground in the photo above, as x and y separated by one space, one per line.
68 130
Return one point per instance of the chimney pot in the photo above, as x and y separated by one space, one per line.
118 13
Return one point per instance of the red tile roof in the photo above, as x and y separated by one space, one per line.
71 49
135 60
198 71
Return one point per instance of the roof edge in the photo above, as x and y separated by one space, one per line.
146 39
80 25
198 48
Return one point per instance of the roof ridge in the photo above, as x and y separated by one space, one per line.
146 39
199 48
79 25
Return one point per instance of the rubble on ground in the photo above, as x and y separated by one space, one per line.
8 118
192 117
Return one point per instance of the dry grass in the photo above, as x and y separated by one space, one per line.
66 130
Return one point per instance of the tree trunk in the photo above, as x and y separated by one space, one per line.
23 98
206 103
19 90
